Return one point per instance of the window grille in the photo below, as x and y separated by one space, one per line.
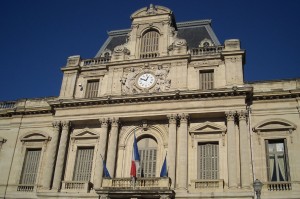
83 164
206 80
149 44
30 166
208 161
277 161
92 88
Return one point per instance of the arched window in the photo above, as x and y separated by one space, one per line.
149 44
148 155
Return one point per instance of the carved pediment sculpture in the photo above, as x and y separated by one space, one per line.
152 10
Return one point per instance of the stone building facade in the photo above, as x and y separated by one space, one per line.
182 94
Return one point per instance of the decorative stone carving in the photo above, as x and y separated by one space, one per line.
162 82
172 118
104 122
2 141
180 42
243 115
114 121
65 125
128 82
183 118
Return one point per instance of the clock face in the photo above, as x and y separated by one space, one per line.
146 80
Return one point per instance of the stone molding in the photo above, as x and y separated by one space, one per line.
230 115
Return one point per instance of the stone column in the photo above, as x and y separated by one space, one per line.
112 147
244 150
51 154
231 150
182 158
102 143
60 160
171 162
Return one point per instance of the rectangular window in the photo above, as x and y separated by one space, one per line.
30 166
208 161
148 162
206 80
277 160
92 88
83 164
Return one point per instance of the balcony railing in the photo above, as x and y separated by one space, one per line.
279 186
203 51
140 183
96 61
76 186
25 188
7 105
207 185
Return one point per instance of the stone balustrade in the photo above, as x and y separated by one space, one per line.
203 51
140 183
25 188
279 186
149 55
7 105
95 61
76 186
207 185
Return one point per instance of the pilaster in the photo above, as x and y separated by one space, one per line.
112 146
171 163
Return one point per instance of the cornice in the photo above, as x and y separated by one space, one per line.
25 111
153 97
276 95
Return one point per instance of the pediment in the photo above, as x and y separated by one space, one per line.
274 124
208 127
85 133
152 10
35 136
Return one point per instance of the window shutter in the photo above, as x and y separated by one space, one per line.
208 161
30 166
206 80
92 88
83 165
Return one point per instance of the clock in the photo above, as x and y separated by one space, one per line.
146 80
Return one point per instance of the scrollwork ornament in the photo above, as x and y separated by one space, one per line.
184 118
65 125
56 124
242 115
104 122
172 118
115 121
230 115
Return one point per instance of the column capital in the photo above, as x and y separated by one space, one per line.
184 117
115 121
172 118
243 115
104 122
56 124
66 124
230 115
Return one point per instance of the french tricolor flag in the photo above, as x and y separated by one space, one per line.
135 162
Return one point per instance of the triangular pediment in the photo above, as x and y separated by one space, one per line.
85 133
208 127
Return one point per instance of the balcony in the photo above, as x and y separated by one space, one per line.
95 61
142 187
279 186
205 51
76 186
207 185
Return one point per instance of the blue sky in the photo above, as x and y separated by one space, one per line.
37 36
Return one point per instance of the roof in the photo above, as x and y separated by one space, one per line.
192 31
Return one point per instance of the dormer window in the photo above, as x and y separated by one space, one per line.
149 44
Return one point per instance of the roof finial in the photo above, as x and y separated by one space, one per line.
151 9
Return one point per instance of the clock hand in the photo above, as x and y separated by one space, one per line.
143 79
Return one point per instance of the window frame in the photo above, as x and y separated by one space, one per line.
286 158
87 93
76 163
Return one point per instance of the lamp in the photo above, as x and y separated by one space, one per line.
257 185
